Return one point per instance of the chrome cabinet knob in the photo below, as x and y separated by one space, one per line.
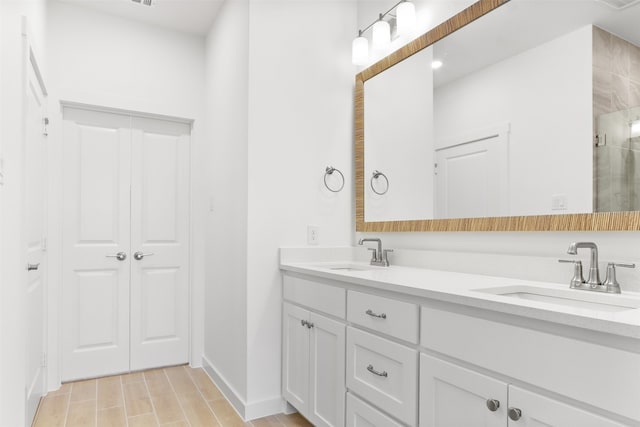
120 256
139 255
515 414
493 404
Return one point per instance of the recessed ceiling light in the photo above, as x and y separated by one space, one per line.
436 64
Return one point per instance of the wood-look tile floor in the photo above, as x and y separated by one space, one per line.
177 396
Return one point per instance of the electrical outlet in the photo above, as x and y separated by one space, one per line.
559 202
313 234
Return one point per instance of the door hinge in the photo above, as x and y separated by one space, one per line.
435 169
45 122
44 360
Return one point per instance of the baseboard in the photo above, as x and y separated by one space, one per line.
247 411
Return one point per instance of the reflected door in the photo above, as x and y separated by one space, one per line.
471 178
126 283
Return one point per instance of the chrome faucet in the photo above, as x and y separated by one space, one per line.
594 273
378 257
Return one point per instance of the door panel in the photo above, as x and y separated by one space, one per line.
327 371
452 396
160 230
96 204
34 234
295 364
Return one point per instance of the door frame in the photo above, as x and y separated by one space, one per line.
56 242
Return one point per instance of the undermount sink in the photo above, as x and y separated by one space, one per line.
347 267
594 301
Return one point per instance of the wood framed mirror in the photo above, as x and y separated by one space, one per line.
589 219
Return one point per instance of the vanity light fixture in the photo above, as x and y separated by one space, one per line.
436 64
405 22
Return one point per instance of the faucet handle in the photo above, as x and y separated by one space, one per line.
385 256
610 282
578 279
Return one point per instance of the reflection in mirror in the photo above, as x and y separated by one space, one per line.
399 128
508 125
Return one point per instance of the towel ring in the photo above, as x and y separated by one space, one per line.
329 171
377 174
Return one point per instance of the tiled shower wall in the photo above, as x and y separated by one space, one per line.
616 88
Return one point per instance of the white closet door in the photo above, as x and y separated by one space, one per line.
96 204
160 234
35 197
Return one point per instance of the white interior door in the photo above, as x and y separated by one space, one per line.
34 199
96 212
126 192
159 243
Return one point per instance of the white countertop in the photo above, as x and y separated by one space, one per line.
462 288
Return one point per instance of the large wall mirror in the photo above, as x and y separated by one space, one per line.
531 123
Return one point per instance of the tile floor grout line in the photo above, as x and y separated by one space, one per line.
124 403
177 398
153 406
96 411
205 400
66 413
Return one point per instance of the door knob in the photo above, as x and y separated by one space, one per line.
493 404
31 267
139 255
515 414
120 256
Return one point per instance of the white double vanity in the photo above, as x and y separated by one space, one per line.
404 346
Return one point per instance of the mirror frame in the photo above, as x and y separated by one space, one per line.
601 221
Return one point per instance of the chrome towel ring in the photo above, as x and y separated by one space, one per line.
329 171
376 175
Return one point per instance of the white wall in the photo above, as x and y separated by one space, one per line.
542 93
291 91
227 56
104 60
300 121
12 257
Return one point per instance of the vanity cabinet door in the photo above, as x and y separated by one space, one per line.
536 411
313 365
452 396
327 366
295 353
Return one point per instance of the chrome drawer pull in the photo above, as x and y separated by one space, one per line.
379 316
371 369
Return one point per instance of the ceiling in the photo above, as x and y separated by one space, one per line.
190 16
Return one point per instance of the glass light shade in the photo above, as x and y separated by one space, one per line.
635 128
406 18
381 34
360 51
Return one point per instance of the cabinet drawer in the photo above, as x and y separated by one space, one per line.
560 364
316 295
384 373
388 316
360 414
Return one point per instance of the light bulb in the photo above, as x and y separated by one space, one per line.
360 50
635 128
436 64
406 18
381 34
